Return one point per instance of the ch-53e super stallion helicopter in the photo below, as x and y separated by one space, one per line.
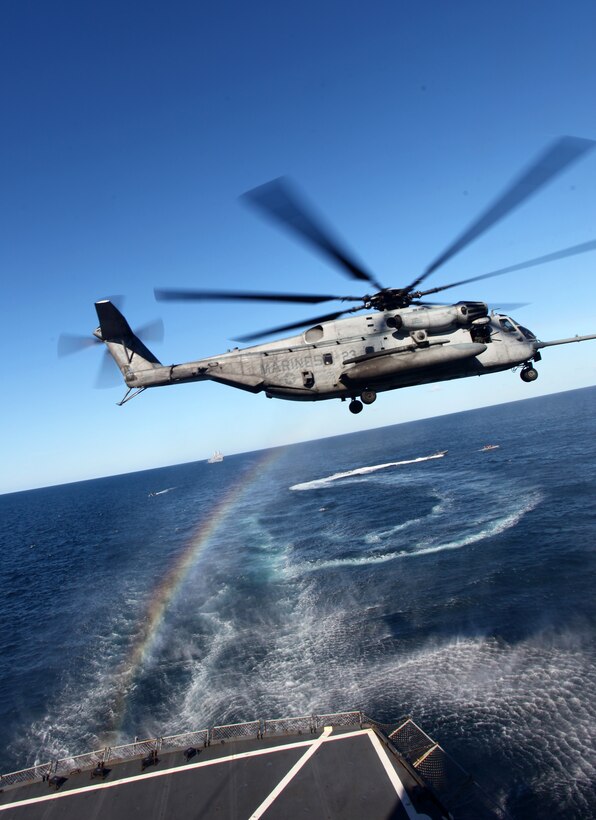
398 341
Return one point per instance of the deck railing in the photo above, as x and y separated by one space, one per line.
452 784
194 738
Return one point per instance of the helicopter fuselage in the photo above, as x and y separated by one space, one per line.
376 352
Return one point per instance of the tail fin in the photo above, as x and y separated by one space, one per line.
128 351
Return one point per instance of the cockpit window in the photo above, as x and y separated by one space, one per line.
527 333
507 326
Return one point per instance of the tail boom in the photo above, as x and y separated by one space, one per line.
141 369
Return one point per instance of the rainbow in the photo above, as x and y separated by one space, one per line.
165 594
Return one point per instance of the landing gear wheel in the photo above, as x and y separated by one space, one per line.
355 406
368 396
528 374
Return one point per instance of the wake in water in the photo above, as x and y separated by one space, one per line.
322 482
162 492
477 528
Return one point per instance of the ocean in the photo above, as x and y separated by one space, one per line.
364 571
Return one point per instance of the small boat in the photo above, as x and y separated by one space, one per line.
161 492
488 447
215 458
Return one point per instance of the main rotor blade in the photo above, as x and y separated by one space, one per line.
329 317
69 343
562 153
175 295
574 250
499 306
278 201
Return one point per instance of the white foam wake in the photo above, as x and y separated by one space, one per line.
484 529
321 482
532 701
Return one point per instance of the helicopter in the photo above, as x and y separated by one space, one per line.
398 339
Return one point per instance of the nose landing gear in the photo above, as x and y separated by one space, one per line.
528 374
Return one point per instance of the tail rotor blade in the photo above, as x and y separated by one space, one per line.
69 343
117 299
151 331
108 374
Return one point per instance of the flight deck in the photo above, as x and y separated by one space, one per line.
333 766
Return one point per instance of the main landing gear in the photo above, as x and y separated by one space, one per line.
367 397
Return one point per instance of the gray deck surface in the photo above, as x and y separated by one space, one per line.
343 778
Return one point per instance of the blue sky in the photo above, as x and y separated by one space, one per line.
130 129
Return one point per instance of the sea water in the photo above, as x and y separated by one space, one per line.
370 571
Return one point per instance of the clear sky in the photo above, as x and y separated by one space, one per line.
130 129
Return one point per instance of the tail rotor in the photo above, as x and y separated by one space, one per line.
107 375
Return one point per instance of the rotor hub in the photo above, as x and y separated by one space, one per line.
389 299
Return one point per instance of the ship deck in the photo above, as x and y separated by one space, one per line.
335 772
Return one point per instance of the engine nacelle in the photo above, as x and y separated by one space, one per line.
469 312
461 314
